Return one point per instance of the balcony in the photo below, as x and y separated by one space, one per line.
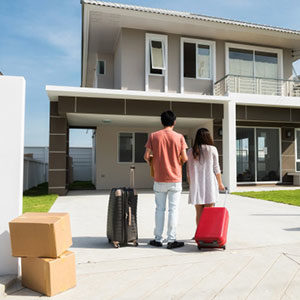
257 85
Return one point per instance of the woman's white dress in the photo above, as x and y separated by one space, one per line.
203 182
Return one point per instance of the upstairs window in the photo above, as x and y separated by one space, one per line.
157 57
241 62
203 61
156 60
251 61
189 60
156 53
197 59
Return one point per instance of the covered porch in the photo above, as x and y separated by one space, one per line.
122 121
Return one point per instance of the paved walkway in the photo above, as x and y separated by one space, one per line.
262 260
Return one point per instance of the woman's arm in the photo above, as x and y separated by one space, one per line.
217 170
188 171
220 183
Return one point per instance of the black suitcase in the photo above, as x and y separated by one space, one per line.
121 216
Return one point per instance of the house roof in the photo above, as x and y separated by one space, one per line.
188 15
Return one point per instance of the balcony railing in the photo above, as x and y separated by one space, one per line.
257 85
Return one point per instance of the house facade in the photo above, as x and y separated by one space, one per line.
234 78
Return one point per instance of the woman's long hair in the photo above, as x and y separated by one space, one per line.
203 137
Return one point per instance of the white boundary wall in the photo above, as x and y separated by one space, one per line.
35 172
12 99
83 162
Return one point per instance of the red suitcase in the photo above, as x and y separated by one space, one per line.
212 228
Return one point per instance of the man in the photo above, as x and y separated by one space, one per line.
168 149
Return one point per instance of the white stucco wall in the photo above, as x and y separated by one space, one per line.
12 97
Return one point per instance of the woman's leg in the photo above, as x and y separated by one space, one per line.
209 205
199 209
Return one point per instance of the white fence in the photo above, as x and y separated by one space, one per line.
82 162
35 172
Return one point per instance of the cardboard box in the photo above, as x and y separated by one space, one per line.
49 276
40 234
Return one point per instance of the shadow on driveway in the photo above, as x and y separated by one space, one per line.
292 229
276 215
101 242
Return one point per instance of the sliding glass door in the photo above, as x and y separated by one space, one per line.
245 154
258 154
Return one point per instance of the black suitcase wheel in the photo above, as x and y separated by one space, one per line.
109 240
135 243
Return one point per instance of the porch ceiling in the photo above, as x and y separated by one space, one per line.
94 120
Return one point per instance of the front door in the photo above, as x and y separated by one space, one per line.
258 154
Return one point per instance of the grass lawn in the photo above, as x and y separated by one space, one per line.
37 199
291 197
81 185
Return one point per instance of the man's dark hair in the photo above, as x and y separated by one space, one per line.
168 118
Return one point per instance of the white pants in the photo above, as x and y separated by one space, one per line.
173 191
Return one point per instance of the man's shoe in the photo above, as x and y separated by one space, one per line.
155 243
175 244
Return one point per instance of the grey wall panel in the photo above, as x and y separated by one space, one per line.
146 108
100 106
193 110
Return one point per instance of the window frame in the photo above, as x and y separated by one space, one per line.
278 51
297 160
212 53
133 147
164 40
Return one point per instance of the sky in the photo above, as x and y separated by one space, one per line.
41 40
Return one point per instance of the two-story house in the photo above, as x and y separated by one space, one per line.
234 78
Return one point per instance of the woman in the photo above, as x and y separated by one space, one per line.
203 172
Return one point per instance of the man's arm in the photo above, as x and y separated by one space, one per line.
147 155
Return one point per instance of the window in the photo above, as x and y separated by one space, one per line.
203 61
241 62
125 147
266 65
253 61
132 147
197 59
156 45
189 60
298 150
101 67
156 59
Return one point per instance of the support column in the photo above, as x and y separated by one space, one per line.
58 152
229 146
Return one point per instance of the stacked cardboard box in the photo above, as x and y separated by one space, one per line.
42 240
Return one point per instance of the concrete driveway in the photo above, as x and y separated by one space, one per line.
262 260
